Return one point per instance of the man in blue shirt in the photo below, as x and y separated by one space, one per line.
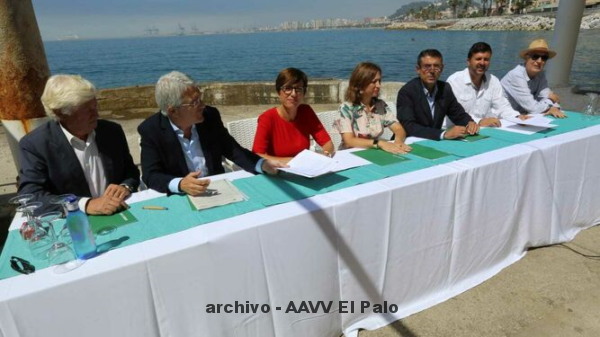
186 140
425 101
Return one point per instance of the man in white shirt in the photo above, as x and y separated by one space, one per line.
479 92
76 153
526 87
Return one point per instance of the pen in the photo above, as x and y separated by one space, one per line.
156 208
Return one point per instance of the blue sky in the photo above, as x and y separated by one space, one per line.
120 18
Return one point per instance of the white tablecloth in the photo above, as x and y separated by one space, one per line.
413 240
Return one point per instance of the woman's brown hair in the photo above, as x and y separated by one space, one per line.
291 76
361 77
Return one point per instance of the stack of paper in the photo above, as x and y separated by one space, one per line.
534 120
218 193
529 126
310 164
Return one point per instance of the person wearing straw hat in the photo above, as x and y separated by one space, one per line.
526 86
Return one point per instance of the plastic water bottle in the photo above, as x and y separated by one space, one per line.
80 230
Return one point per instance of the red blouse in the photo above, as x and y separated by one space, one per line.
280 138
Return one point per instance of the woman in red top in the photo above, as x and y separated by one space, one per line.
284 131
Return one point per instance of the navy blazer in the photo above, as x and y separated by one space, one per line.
414 113
49 166
162 156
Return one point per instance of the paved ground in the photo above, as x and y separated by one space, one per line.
551 292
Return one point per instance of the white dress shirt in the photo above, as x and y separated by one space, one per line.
527 95
487 101
89 158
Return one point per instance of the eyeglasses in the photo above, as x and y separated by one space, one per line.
432 67
535 57
194 104
288 90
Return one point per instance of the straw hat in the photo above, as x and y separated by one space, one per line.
539 45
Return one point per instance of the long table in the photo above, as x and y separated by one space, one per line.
409 242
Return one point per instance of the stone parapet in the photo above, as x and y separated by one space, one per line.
138 101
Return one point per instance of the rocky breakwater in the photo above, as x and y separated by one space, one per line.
591 21
524 22
407 25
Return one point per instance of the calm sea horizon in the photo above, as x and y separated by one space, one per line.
111 63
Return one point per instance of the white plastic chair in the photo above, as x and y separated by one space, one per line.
387 133
327 118
243 132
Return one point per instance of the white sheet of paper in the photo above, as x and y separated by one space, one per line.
534 120
219 193
346 160
310 164
523 129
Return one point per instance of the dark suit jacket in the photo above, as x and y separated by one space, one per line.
162 156
49 166
414 113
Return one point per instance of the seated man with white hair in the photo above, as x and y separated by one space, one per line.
186 141
76 153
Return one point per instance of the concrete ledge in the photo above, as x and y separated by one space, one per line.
138 101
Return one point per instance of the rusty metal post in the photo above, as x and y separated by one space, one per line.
23 71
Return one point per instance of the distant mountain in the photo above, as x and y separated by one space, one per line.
402 11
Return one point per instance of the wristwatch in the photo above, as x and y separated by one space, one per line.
375 141
129 188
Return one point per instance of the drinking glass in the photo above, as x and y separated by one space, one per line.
40 241
106 230
59 254
28 228
590 109
20 200
62 200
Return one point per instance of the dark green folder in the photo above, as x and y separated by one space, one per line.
100 222
379 157
426 152
474 138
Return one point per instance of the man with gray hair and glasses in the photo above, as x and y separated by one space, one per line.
186 140
77 153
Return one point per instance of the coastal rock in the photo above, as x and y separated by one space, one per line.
524 23
407 25
591 21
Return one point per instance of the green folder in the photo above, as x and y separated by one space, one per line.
379 157
426 152
474 138
100 222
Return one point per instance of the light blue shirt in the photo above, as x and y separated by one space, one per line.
527 95
431 100
194 157
192 152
